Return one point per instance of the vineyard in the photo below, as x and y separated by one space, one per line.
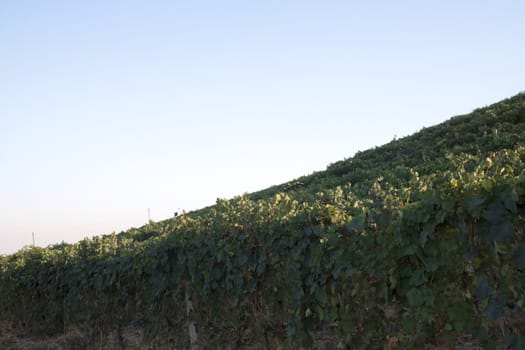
414 243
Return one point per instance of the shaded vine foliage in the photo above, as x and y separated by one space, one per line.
410 253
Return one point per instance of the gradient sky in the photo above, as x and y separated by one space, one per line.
108 108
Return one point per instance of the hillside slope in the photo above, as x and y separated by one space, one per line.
489 129
413 243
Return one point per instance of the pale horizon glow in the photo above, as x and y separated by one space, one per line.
108 108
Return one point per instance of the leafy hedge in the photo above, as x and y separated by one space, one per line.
414 242
408 260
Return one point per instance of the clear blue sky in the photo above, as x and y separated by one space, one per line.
108 108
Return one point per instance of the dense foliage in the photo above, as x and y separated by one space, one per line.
415 242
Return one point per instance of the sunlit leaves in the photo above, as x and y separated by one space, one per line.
441 243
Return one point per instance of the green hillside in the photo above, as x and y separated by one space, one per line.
416 243
485 130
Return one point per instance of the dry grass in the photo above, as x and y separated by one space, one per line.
132 339
75 339
11 340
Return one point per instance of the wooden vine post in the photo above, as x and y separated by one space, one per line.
191 326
